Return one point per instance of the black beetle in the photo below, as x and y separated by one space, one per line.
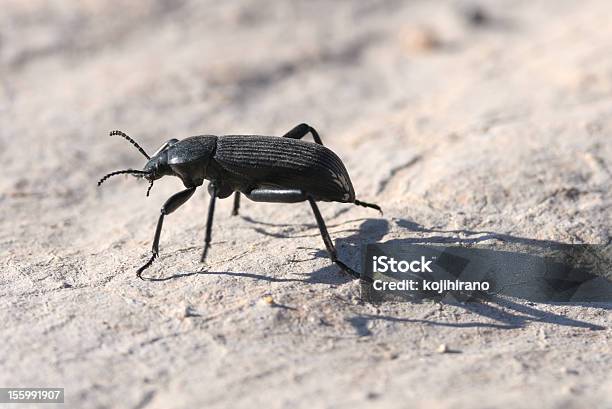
264 168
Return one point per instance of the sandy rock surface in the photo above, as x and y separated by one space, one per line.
460 132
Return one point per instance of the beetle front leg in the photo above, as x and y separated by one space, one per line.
174 202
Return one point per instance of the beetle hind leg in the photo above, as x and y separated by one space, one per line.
329 245
277 195
295 196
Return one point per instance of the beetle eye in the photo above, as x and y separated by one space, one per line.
169 142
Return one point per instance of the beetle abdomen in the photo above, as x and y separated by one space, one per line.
269 161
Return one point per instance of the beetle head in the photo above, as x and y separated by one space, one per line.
156 167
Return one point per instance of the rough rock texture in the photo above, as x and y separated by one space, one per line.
458 131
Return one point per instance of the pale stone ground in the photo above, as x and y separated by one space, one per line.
504 128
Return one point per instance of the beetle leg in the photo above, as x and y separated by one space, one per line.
276 195
212 189
301 130
236 204
331 250
174 202
370 205
294 196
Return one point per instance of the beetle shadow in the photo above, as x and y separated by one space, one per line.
204 271
504 312
483 235
259 227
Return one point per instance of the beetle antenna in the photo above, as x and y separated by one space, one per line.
122 172
370 205
150 186
133 142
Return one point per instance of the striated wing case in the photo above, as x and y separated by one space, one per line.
276 162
